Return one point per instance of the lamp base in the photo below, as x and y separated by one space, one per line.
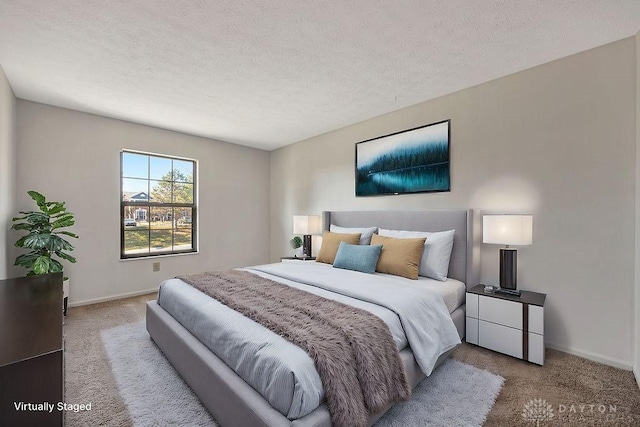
508 268
306 246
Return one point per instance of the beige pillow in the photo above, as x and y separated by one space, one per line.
330 243
399 256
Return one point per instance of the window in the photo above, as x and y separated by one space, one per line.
157 205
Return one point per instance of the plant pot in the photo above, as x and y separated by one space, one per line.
299 252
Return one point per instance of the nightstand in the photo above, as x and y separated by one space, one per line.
508 324
294 259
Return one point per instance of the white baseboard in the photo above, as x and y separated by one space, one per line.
636 372
600 358
111 298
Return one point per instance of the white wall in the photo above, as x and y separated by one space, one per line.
7 173
74 157
557 141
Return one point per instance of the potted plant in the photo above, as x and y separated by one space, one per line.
44 240
296 244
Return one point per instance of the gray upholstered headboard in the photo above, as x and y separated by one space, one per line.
463 265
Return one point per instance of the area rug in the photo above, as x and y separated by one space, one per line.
456 394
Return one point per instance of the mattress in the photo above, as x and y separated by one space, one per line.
281 372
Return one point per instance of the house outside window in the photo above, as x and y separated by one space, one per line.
157 205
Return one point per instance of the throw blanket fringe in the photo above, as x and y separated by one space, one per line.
353 350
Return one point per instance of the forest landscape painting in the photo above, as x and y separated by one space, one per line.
412 161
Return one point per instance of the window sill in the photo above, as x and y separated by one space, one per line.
159 256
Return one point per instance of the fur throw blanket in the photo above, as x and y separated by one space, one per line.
353 350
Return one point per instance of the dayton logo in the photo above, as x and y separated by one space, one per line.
537 410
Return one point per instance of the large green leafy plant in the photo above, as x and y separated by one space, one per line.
44 236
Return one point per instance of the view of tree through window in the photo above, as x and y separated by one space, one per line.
158 207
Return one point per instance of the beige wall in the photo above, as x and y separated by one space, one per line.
74 157
557 141
7 173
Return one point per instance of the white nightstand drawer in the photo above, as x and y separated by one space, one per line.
472 305
503 312
500 338
536 319
471 332
536 348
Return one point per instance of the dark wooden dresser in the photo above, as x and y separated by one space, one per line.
31 350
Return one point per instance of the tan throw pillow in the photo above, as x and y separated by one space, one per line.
399 256
330 243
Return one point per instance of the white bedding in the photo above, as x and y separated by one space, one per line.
282 372
452 291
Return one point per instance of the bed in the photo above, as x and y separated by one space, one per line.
248 398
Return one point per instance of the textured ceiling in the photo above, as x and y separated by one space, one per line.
269 73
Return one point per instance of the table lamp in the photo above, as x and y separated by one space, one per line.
306 225
508 230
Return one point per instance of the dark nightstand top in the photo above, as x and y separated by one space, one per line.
527 297
299 258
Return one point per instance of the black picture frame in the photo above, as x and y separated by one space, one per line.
415 160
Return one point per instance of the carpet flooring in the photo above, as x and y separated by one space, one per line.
568 390
456 394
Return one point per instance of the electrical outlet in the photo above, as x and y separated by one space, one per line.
156 266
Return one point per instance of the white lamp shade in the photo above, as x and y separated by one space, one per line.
307 224
507 229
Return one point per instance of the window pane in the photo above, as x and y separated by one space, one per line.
161 240
182 193
183 170
161 218
136 242
135 165
160 168
135 190
182 237
161 191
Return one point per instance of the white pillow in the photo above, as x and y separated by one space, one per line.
365 233
437 250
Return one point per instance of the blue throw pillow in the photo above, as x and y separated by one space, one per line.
362 258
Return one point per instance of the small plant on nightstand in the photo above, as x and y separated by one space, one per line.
296 243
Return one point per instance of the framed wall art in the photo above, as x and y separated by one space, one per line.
411 161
